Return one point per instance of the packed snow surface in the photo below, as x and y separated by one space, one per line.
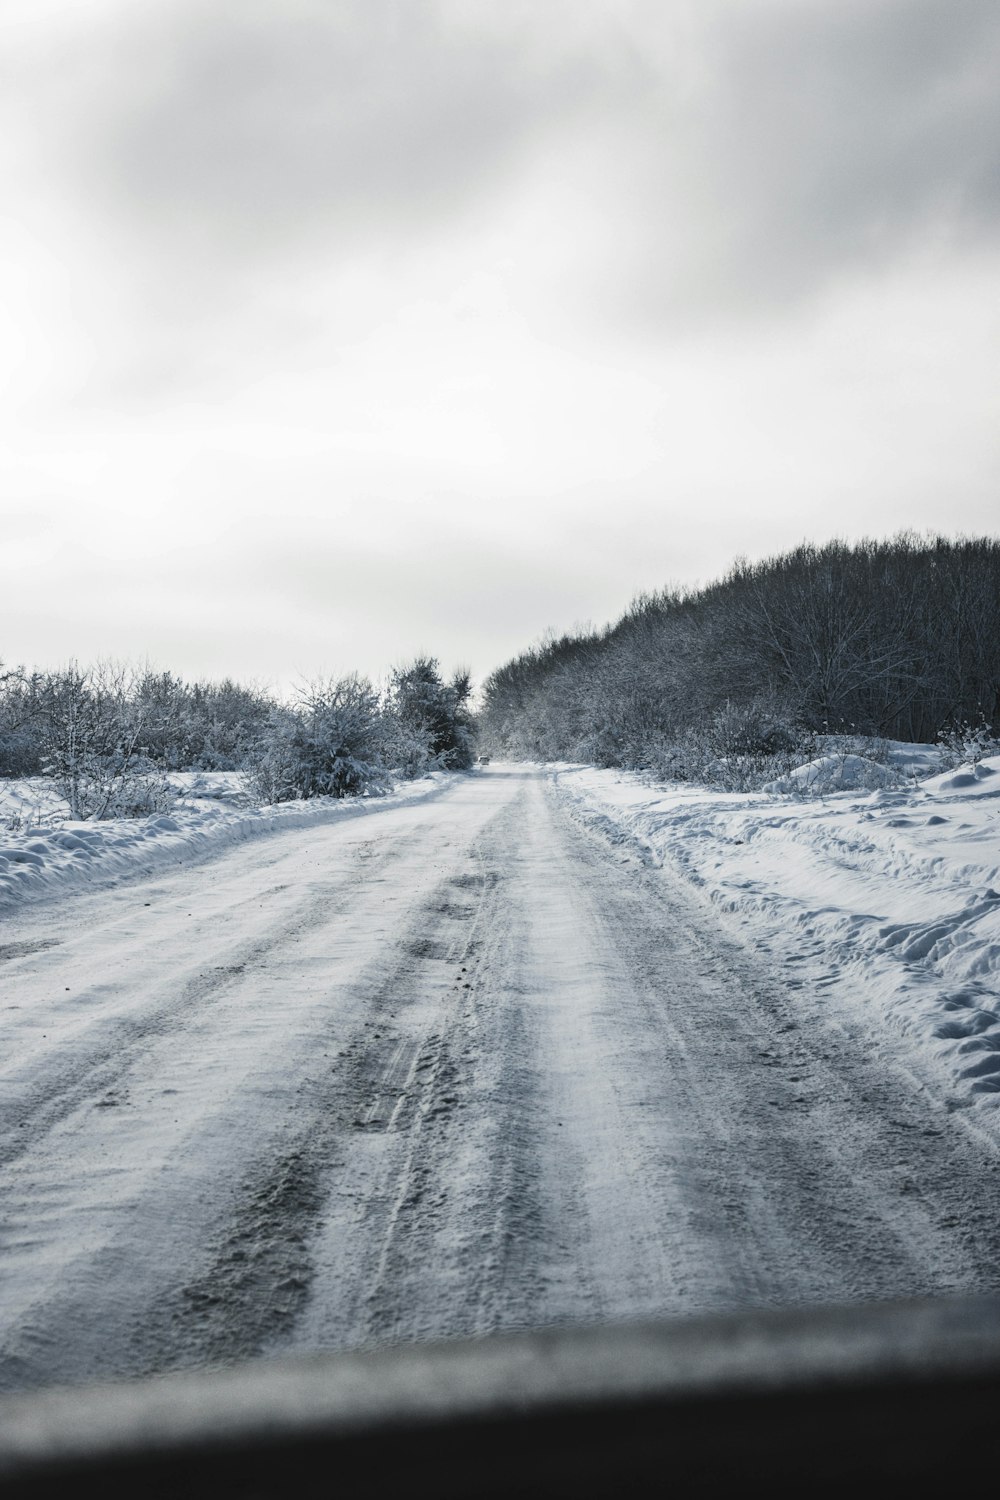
42 851
887 900
886 894
484 1055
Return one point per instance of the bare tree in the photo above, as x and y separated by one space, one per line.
92 728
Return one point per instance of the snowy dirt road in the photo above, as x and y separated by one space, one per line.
452 1067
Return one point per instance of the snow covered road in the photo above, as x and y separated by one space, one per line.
460 1065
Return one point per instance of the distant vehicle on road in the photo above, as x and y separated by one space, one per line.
484 760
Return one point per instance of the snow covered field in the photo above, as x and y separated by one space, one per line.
887 901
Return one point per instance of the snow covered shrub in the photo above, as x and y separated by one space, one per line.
840 763
20 754
20 746
679 757
840 772
605 747
409 749
430 723
11 818
963 744
269 766
138 792
331 743
92 737
340 742
738 747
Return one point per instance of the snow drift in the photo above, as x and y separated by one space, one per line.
885 902
43 852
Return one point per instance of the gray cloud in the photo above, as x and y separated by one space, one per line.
726 157
266 124
222 155
820 137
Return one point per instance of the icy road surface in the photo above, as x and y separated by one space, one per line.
457 1066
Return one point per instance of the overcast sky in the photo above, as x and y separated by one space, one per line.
335 330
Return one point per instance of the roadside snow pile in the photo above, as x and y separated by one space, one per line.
43 851
835 773
886 901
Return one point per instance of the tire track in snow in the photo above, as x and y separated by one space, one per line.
645 1129
386 1082
519 1080
124 1175
96 1066
822 1172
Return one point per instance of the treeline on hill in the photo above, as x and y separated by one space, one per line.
109 735
733 683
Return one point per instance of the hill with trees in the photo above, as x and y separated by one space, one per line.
897 638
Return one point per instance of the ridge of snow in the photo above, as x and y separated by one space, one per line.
886 902
54 853
835 773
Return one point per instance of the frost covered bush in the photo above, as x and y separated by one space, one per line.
605 747
92 737
873 747
962 743
842 771
136 791
182 726
108 735
339 744
409 751
269 766
19 747
738 747
330 743
205 726
429 723
341 739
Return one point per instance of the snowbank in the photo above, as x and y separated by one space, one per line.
42 851
886 902
835 773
